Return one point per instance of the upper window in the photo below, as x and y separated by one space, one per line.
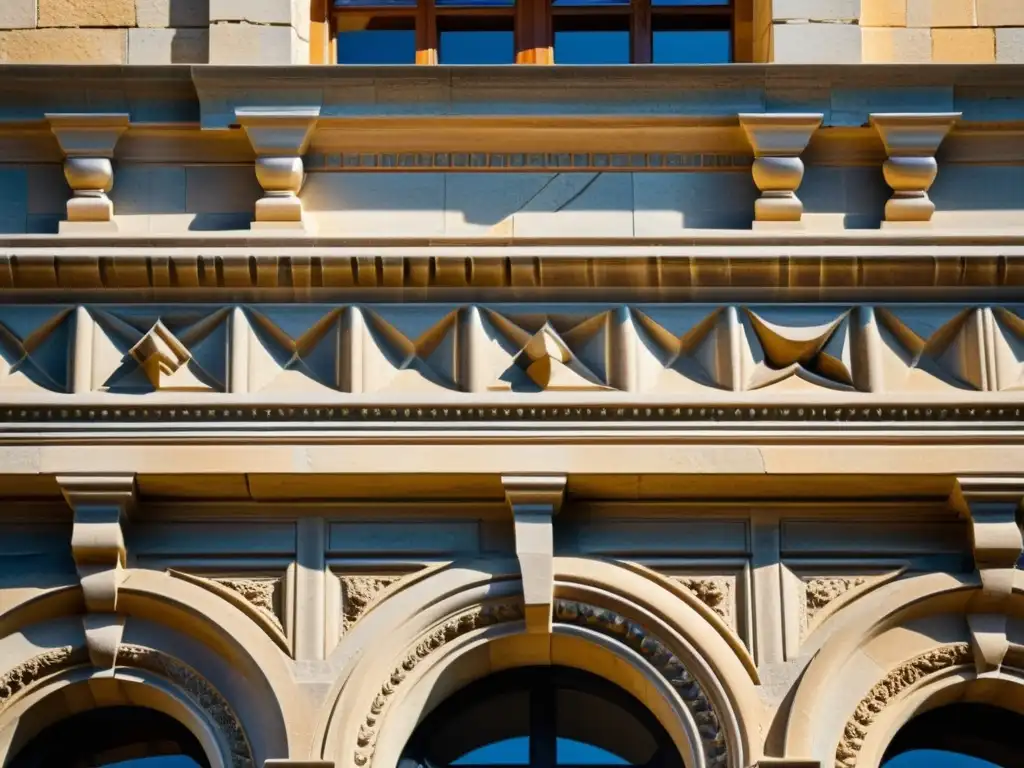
534 31
960 735
544 717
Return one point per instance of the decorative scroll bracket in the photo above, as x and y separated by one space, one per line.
279 138
911 141
88 141
100 504
993 507
778 141
535 500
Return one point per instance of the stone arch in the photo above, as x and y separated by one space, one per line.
463 623
177 630
889 658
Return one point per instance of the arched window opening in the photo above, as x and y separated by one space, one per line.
114 737
959 736
542 717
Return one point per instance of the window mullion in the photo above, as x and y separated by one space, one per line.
640 31
543 724
426 32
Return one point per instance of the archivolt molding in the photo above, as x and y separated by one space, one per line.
897 682
200 692
452 629
30 671
668 665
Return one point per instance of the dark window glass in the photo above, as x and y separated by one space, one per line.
377 46
691 3
374 3
591 3
476 47
474 3
691 47
592 47
958 735
934 758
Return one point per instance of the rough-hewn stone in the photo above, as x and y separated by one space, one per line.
86 13
63 46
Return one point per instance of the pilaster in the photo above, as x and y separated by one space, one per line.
992 505
911 141
279 138
88 142
778 141
100 504
535 500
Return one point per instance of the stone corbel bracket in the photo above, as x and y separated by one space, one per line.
993 507
911 141
778 141
88 143
100 504
535 500
280 139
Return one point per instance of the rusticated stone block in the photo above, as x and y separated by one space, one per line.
86 13
63 46
963 46
1010 46
817 43
883 13
1001 13
896 45
941 13
256 44
816 10
17 14
168 46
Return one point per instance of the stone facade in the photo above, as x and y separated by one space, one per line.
325 392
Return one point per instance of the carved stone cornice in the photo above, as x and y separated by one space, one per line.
534 501
280 139
100 504
911 141
778 141
993 507
88 141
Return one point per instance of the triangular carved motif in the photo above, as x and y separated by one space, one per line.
682 349
34 347
1008 340
409 349
137 351
931 348
294 350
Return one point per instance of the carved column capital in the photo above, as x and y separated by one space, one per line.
778 141
993 507
535 500
88 142
100 503
279 138
911 141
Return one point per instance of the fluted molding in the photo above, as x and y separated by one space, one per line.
100 504
535 500
88 142
279 138
778 141
911 141
992 505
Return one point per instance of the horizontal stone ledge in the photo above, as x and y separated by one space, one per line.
720 266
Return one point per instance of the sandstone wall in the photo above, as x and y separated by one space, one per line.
898 31
154 31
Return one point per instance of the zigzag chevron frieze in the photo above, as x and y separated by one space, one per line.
533 353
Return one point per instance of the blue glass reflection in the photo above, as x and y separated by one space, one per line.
377 46
374 3
935 758
684 3
691 47
514 751
474 3
572 752
591 3
477 47
592 47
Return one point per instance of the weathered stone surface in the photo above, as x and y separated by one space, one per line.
168 46
253 11
963 46
172 13
1000 13
1010 46
816 10
17 14
884 45
244 43
817 43
941 13
87 13
883 13
63 46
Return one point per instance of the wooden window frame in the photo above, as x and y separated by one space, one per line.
533 24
